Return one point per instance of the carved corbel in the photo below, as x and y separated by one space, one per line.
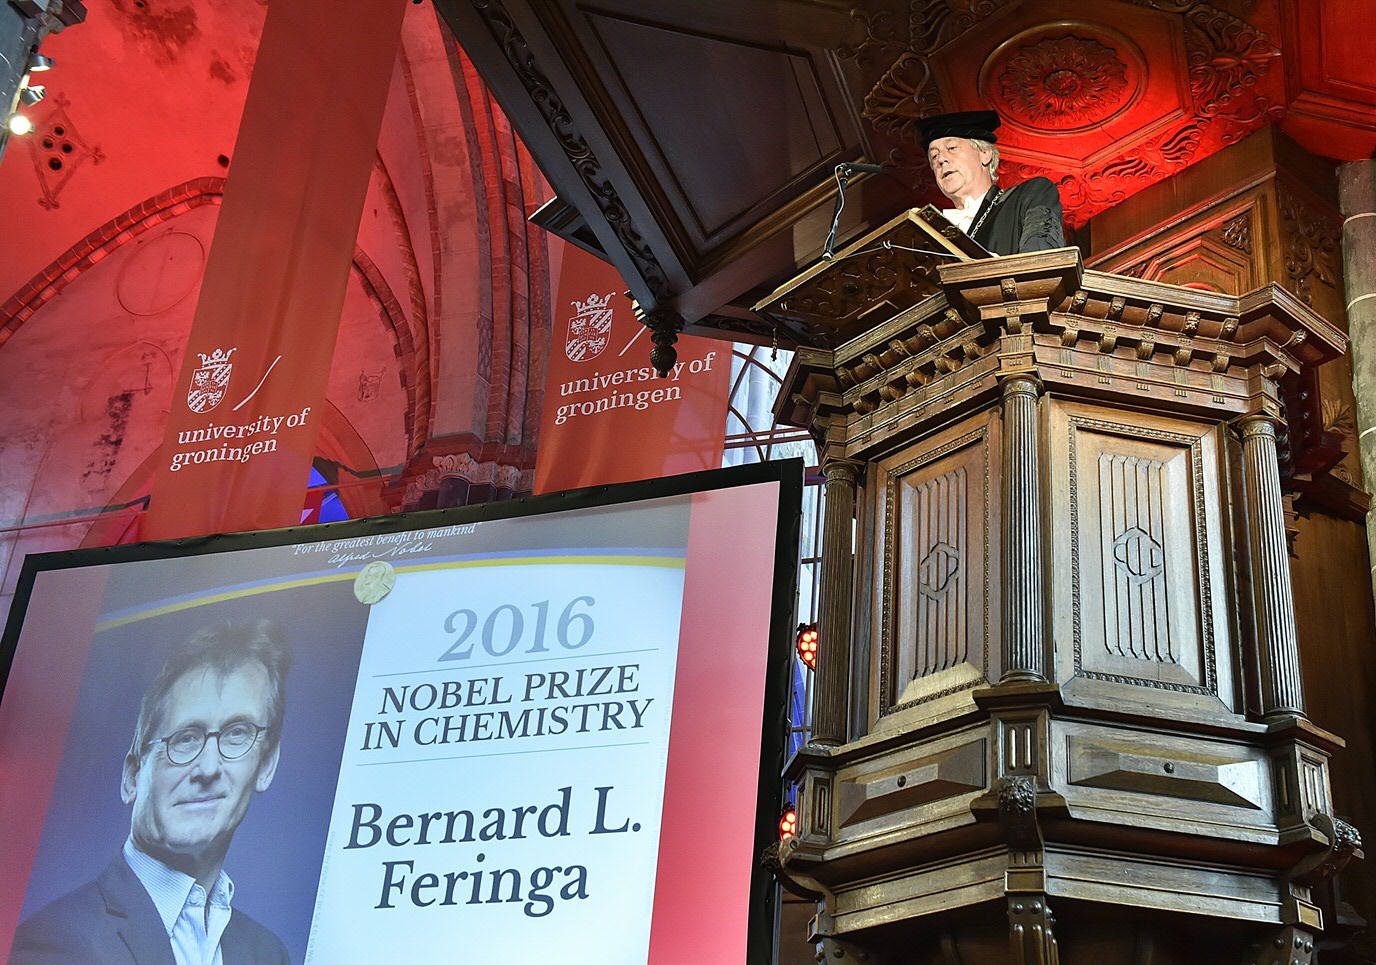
1185 352
1288 946
1018 813
775 860
1344 844
1031 926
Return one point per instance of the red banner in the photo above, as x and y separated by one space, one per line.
608 417
241 434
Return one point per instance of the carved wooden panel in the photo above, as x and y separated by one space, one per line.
935 507
1259 212
868 792
1234 779
1141 779
1140 544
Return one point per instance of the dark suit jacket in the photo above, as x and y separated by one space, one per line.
112 921
1027 217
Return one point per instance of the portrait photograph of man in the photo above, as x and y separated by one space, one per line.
203 846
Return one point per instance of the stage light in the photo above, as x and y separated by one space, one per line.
788 822
18 124
30 96
807 644
40 62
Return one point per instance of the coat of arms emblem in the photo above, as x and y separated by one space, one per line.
590 328
209 381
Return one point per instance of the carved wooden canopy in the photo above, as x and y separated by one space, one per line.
693 141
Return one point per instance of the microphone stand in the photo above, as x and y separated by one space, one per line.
842 179
843 172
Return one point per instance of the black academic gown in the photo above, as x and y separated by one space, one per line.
1024 218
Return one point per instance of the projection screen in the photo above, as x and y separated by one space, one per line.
549 728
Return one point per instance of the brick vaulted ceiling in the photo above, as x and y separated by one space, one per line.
693 140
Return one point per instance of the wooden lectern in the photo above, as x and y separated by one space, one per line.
1059 714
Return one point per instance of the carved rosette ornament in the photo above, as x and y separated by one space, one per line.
1062 82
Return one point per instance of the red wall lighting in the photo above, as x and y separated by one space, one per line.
807 644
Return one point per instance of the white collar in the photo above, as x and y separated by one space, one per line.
971 205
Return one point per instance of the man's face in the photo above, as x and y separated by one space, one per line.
191 810
962 171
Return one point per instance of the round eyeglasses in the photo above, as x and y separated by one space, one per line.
234 741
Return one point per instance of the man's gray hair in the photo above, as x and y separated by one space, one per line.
222 649
993 161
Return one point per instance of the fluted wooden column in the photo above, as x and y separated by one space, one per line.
1273 602
834 611
1024 607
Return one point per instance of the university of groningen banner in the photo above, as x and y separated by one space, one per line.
608 416
241 433
533 737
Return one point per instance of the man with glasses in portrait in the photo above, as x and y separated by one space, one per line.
206 740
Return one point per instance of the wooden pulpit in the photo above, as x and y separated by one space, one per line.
1058 714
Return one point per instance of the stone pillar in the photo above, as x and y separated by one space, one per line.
1273 602
834 609
1024 606
1357 197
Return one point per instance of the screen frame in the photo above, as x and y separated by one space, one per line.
788 474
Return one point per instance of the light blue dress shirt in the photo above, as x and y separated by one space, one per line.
193 932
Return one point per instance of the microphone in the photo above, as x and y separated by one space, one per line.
852 167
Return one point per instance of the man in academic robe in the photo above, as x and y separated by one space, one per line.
964 158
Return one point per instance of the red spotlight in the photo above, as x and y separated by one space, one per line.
807 644
788 822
